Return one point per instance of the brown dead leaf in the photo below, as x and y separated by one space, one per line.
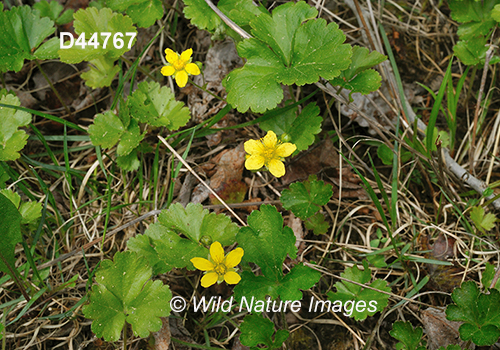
296 225
162 337
238 346
440 331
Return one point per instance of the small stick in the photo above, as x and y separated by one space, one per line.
178 156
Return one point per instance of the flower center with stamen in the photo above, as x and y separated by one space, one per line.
178 65
221 269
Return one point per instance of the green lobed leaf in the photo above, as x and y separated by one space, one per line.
195 222
349 291
266 243
409 337
301 129
102 72
298 53
90 21
30 211
12 140
10 232
304 199
201 15
48 50
478 311
157 106
130 139
143 12
256 330
487 278
53 10
106 130
164 249
21 32
476 17
125 292
483 222
495 13
130 162
241 12
473 51
318 224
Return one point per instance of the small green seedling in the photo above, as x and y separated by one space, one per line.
257 330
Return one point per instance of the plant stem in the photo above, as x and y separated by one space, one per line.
125 337
208 92
15 278
53 88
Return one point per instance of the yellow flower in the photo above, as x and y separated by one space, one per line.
180 66
268 151
219 268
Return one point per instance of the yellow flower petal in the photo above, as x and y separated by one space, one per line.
234 257
209 279
255 162
254 147
171 56
216 253
232 277
181 78
167 70
202 264
285 149
192 69
186 55
276 167
270 140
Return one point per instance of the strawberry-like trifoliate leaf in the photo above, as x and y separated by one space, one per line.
304 199
108 129
256 330
287 51
484 222
359 77
30 211
409 337
157 106
125 292
197 223
143 12
241 12
367 302
301 129
164 249
102 72
130 162
53 10
21 32
473 51
267 243
12 140
478 311
10 232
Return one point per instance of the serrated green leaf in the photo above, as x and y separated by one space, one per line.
157 106
102 72
278 31
196 222
318 224
126 293
130 162
12 196
241 12
478 311
30 211
300 53
266 243
301 129
130 139
256 330
165 249
409 337
483 222
10 232
90 21
143 12
304 199
48 9
106 130
65 18
487 278
201 15
48 50
476 17
495 13
21 32
471 52
349 291
12 140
